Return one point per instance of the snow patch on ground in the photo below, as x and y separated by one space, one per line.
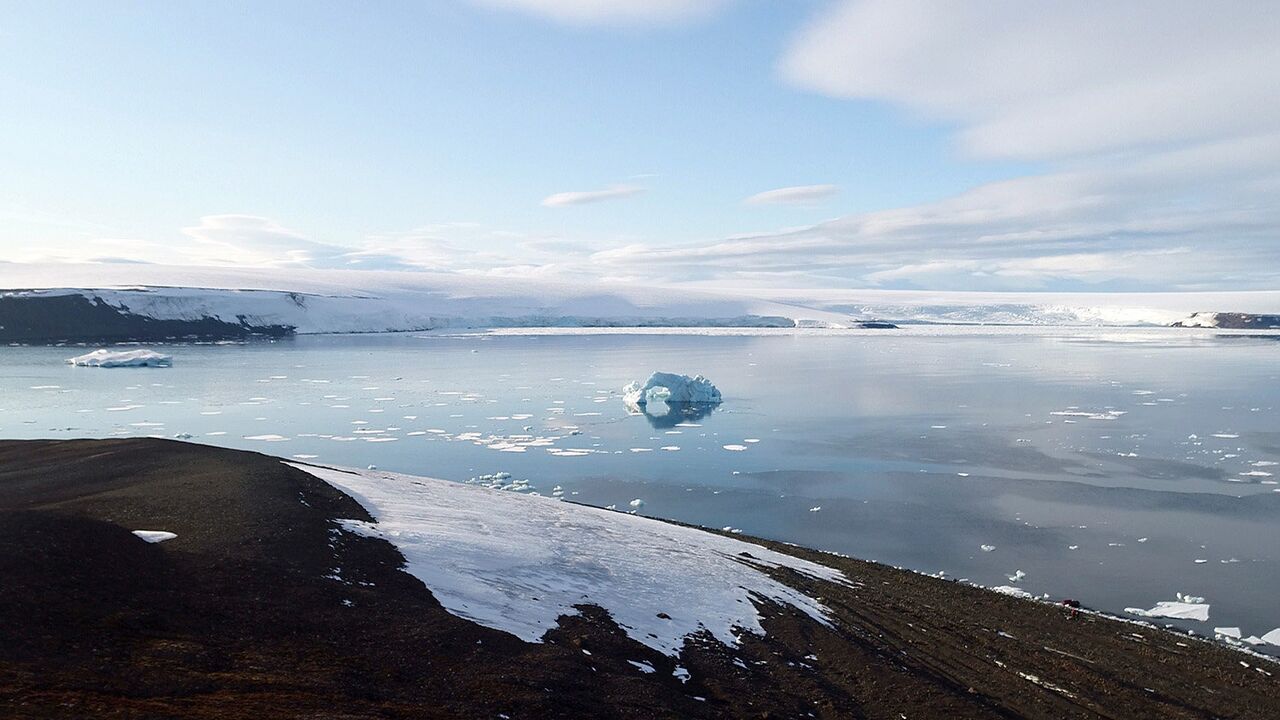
1011 590
154 536
122 358
517 562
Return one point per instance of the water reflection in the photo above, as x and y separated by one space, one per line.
671 414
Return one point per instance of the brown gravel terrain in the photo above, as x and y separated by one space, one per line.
237 618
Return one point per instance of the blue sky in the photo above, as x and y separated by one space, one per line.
990 145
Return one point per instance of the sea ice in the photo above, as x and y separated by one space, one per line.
122 358
1178 610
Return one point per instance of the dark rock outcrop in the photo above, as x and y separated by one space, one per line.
78 318
1231 321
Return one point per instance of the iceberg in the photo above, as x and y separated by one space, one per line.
122 358
671 388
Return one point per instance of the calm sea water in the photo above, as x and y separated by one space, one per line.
1114 467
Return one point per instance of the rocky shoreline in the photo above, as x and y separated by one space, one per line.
241 615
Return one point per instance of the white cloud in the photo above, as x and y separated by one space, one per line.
253 240
1156 126
1047 79
1193 218
584 197
796 195
613 12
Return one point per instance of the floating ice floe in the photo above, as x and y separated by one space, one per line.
155 536
1187 607
122 358
670 388
1104 415
457 539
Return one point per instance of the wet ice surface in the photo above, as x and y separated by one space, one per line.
1114 467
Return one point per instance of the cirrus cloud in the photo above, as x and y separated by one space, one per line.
585 197
795 195
613 12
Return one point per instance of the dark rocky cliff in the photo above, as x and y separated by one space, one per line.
77 318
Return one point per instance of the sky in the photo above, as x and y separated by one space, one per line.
945 145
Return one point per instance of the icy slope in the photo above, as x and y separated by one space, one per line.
365 301
517 562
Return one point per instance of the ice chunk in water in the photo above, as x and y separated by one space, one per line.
122 358
1177 610
671 388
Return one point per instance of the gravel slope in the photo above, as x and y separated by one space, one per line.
237 618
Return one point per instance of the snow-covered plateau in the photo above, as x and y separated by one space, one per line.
365 301
353 301
518 562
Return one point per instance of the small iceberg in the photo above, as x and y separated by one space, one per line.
122 358
686 399
671 388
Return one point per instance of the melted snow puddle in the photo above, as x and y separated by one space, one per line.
456 539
